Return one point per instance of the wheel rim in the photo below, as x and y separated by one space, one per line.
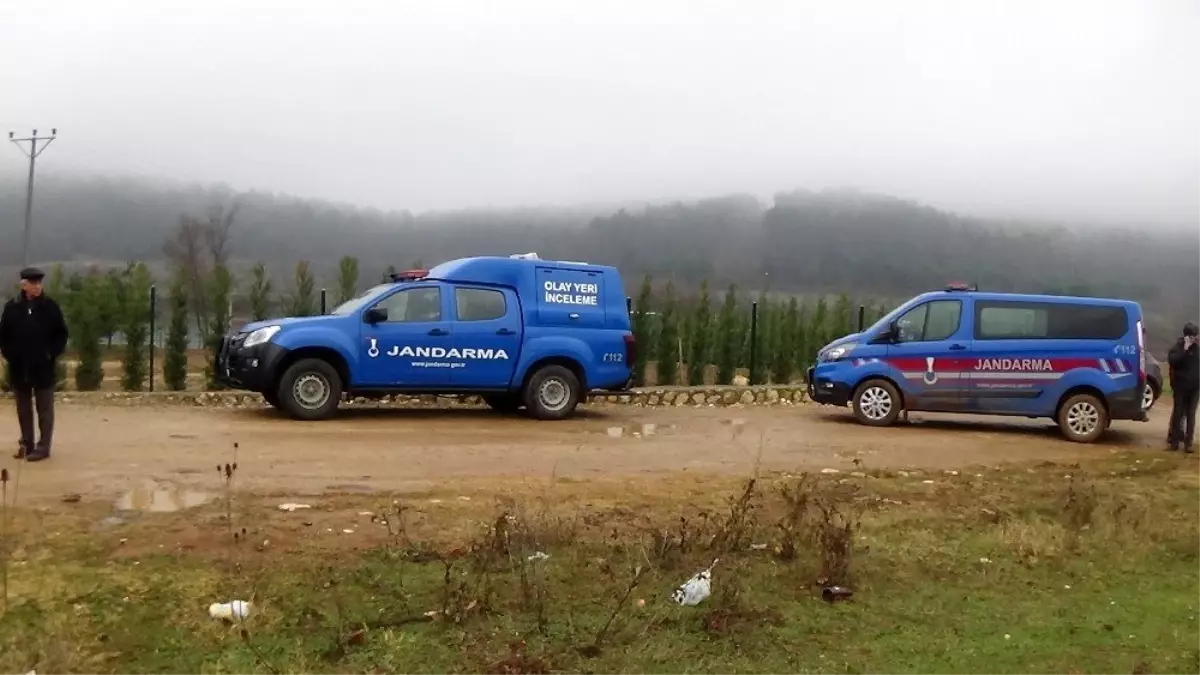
554 394
311 391
875 403
1147 397
1083 418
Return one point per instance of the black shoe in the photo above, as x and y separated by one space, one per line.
37 456
1172 447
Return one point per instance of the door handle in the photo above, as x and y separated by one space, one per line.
958 348
573 315
439 331
506 331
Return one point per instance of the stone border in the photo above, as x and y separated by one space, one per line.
716 396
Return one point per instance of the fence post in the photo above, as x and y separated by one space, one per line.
862 316
153 302
629 305
753 341
322 301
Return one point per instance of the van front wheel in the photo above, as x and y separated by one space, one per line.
1082 418
877 403
552 393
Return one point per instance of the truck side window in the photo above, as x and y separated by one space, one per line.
479 304
930 322
414 305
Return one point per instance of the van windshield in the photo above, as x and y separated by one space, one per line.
361 300
888 318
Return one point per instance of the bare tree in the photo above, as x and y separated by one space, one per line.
198 247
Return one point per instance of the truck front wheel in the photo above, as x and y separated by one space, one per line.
552 393
310 389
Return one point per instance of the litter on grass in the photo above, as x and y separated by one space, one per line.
695 590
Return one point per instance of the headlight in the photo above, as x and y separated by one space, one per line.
260 336
839 352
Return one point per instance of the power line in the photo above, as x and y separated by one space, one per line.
32 154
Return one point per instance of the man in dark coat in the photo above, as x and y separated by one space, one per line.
1185 386
33 335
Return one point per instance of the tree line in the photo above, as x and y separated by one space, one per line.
698 339
691 337
803 241
200 304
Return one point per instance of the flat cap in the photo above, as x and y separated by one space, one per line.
32 274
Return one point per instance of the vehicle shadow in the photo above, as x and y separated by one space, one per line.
1032 429
459 414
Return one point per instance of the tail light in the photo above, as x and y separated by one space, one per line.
631 348
1141 352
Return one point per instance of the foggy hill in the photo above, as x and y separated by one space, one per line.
830 241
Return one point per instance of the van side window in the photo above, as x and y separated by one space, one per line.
479 304
1010 323
413 305
930 322
999 320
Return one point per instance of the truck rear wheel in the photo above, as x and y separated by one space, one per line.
552 393
310 389
1082 418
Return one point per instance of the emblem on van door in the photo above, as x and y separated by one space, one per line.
373 350
930 377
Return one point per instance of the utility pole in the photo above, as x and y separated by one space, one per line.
32 154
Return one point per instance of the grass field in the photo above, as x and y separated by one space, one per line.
1049 568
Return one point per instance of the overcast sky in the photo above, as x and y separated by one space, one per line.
1079 109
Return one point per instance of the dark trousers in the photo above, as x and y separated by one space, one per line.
1183 417
27 398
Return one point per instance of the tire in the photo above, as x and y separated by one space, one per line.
551 393
310 389
1082 418
272 397
504 403
1149 396
877 403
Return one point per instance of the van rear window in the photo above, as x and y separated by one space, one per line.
1001 320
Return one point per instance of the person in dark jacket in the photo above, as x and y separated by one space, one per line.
1185 386
33 335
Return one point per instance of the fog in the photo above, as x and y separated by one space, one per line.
1073 110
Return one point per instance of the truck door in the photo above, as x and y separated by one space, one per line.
485 336
930 354
409 348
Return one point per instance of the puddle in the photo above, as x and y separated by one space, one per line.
159 497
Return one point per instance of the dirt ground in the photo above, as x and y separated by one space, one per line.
102 451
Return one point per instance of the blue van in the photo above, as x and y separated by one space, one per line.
1078 361
520 331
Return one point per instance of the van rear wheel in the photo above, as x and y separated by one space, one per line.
552 393
877 403
1082 418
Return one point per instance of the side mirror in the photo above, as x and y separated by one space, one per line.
889 335
375 315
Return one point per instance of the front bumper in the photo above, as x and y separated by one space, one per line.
250 368
827 392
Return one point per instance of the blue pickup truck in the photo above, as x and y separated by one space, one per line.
520 331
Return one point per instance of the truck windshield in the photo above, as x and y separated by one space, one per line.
354 304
